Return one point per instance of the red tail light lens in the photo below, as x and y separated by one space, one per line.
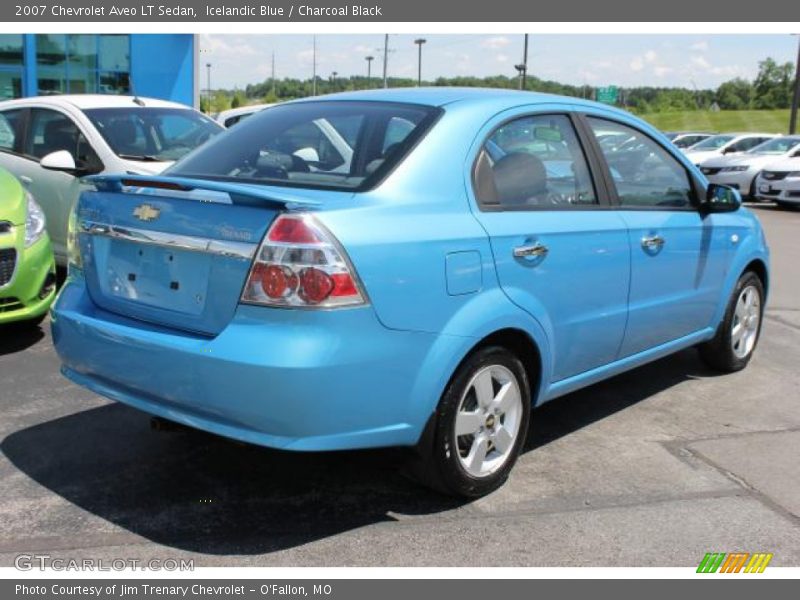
300 264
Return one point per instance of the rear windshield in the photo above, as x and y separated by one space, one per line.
332 144
152 133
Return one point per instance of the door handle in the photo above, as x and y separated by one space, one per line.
25 179
652 242
534 250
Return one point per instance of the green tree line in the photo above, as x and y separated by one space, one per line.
771 89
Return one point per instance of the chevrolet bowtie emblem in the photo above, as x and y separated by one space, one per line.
145 212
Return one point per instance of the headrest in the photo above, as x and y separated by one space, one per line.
518 177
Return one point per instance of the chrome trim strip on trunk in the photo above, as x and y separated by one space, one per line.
238 250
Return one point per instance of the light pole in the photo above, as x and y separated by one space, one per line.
419 42
369 60
385 60
208 84
521 69
314 68
796 96
333 80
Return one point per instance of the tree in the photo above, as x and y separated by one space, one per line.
736 94
238 99
773 84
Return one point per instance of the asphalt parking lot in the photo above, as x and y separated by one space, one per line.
652 468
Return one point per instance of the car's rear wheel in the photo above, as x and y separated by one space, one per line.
735 341
479 427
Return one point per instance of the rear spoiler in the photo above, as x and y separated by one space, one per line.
183 187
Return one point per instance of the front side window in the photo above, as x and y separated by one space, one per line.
339 144
645 174
152 133
51 131
534 162
745 144
715 142
776 146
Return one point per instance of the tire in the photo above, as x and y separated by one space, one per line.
745 311
444 458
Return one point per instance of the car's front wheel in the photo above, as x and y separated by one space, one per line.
733 345
479 427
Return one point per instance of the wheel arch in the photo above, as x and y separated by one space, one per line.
525 344
758 267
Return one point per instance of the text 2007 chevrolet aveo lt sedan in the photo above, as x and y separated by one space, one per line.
471 254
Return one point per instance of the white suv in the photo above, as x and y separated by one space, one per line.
50 142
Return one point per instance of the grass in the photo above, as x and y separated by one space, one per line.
768 121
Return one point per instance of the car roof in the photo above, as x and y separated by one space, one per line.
88 101
442 96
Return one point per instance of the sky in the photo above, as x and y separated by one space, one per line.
692 61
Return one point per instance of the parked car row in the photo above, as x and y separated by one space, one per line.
761 166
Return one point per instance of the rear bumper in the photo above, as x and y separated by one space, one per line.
299 380
22 298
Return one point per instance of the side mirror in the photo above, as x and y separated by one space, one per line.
60 160
721 198
730 151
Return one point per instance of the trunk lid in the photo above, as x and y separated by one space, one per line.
174 251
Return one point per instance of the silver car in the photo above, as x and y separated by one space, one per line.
50 142
739 170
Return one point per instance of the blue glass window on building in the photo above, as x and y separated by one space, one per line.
11 66
79 64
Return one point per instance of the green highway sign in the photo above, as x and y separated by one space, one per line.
608 94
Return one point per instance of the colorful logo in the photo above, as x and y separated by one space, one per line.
734 562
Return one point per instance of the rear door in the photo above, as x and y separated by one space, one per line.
678 256
560 253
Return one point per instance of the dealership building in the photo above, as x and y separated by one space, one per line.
155 65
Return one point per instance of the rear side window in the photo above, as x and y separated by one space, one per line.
645 174
534 162
10 126
331 144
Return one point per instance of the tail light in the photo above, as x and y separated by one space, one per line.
300 264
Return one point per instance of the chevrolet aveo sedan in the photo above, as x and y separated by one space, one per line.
478 254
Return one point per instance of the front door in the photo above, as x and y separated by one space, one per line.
678 256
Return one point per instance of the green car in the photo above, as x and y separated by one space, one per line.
27 267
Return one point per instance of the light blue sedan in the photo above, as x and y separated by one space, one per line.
416 267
